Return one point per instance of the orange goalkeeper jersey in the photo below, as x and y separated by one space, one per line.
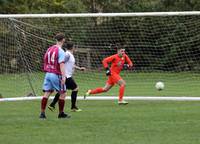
117 62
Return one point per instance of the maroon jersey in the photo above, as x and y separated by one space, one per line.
52 59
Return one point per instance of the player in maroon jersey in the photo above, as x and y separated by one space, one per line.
54 60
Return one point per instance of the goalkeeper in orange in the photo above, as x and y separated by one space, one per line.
113 65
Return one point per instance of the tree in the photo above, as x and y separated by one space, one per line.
41 6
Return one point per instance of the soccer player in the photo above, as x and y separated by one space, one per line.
117 61
70 83
54 60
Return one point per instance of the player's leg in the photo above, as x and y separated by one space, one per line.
55 81
48 89
71 84
44 101
56 98
116 78
106 88
53 103
43 104
61 104
122 85
61 101
56 85
74 107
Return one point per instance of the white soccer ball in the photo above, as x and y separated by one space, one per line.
160 85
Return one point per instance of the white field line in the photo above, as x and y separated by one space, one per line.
145 98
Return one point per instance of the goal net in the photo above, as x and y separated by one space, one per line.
163 46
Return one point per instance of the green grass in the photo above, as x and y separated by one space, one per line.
140 122
138 84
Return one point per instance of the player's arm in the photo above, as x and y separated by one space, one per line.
62 58
106 62
129 62
80 68
62 69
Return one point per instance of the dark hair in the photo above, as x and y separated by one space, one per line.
59 37
116 46
68 45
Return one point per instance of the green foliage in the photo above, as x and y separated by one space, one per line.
41 6
130 30
179 5
78 6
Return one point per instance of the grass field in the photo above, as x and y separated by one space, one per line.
140 122
104 122
138 84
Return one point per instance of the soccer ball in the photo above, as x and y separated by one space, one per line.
159 85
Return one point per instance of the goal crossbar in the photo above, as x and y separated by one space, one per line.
182 13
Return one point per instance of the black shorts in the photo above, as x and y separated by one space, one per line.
70 84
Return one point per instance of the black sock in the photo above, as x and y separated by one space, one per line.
73 99
55 100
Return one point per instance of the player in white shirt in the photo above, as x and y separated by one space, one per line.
70 83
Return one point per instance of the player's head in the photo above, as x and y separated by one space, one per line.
69 45
60 37
120 50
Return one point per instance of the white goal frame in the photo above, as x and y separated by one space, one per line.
146 14
136 98
183 13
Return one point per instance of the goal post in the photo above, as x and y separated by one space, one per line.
164 46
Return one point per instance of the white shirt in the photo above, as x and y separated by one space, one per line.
70 64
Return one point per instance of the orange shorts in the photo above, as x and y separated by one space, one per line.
113 79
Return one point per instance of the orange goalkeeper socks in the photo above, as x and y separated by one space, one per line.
97 90
121 92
